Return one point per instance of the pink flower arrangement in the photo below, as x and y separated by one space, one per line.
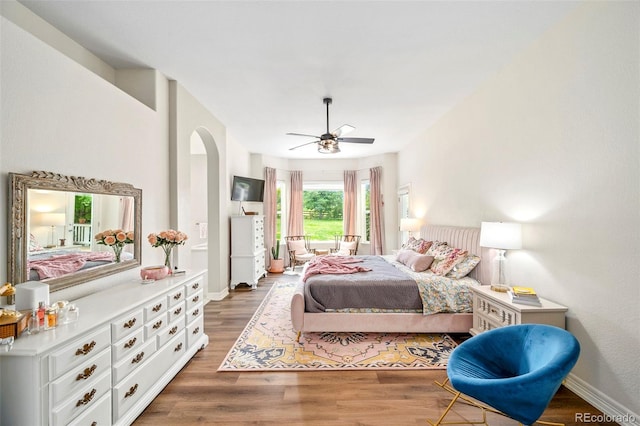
167 240
116 239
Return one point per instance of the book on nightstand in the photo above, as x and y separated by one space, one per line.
524 296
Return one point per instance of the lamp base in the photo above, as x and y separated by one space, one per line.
500 288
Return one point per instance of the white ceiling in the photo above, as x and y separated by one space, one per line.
262 67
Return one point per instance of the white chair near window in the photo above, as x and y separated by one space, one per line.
346 245
299 249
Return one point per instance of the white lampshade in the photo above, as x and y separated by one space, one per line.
49 219
409 224
500 235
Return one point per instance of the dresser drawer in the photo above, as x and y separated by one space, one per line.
77 352
496 313
194 313
134 386
171 331
127 345
194 330
176 296
126 324
194 286
80 377
155 308
194 299
155 326
177 311
97 415
81 401
134 360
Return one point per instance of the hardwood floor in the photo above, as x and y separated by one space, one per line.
201 395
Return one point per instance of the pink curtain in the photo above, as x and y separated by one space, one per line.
296 225
376 206
349 213
270 210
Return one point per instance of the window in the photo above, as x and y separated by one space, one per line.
365 217
322 209
280 216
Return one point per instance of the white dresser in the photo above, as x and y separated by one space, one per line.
247 250
493 309
105 368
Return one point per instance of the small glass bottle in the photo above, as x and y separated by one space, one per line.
41 309
50 318
34 322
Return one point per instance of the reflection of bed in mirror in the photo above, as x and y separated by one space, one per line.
57 262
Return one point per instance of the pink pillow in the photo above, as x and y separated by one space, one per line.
442 264
416 261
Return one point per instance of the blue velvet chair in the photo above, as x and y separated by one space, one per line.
516 370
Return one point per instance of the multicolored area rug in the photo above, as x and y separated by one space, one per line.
268 343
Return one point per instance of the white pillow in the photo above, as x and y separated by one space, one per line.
346 247
298 247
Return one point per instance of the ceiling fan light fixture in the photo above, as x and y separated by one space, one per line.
328 147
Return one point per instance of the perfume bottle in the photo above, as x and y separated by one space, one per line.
41 309
34 323
50 318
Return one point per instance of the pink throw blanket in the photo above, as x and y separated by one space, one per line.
63 264
333 265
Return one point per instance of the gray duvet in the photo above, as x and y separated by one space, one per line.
384 287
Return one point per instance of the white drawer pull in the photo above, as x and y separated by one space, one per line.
87 373
86 348
87 398
130 343
132 390
129 323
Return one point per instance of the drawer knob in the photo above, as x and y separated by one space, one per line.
177 296
86 348
157 307
195 299
177 348
137 358
87 373
157 325
174 330
131 391
87 398
177 311
196 330
129 323
94 423
195 286
196 312
130 343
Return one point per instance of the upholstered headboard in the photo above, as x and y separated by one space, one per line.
466 238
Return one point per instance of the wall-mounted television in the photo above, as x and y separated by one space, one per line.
247 189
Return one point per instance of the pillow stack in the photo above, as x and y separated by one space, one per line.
437 257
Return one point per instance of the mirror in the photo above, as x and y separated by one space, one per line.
53 220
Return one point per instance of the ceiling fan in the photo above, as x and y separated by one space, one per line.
328 143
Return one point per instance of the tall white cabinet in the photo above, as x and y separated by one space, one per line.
247 250
105 368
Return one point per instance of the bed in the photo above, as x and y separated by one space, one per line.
406 318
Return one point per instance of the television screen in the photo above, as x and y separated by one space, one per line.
247 189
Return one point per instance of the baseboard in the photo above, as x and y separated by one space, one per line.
613 411
218 295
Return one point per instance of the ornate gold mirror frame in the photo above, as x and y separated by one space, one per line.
19 234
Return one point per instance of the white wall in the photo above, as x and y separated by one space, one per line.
58 116
552 141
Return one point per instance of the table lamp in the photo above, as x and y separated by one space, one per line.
500 236
409 224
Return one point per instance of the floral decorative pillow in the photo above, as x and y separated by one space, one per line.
438 248
418 245
33 244
463 268
442 264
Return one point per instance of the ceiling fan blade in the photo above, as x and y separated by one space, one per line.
343 130
302 134
304 144
356 140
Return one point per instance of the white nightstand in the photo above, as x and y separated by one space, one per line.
492 309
